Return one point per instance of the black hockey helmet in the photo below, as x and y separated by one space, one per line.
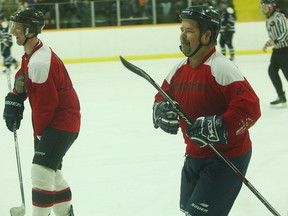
32 20
272 2
207 17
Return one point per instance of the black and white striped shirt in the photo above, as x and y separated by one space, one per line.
277 27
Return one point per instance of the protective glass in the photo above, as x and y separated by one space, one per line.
16 28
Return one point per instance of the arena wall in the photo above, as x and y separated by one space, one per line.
136 42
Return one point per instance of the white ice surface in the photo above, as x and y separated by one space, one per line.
122 166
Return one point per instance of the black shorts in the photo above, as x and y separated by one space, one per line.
209 187
52 147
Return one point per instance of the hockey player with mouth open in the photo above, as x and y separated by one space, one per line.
222 105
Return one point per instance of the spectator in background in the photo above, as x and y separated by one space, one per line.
178 6
84 13
166 6
8 7
69 15
228 17
135 7
131 8
145 8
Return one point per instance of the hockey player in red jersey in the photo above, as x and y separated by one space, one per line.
44 80
214 94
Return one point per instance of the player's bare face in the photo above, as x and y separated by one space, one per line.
17 30
189 36
266 8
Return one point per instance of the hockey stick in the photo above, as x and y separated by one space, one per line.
17 211
8 75
175 105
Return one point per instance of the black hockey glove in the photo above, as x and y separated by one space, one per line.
210 129
165 117
13 111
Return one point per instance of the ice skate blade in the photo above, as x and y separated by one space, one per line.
278 106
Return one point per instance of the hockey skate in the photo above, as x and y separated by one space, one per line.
6 71
280 102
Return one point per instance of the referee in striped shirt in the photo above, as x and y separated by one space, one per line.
277 27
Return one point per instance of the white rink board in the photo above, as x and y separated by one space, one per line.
137 40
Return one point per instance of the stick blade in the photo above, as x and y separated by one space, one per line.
134 68
17 211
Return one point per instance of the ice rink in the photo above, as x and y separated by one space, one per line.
121 166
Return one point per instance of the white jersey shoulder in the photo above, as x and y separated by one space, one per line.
223 70
39 65
175 69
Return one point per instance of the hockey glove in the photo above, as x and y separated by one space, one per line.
13 111
165 117
208 130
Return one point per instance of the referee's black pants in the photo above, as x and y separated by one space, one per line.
279 60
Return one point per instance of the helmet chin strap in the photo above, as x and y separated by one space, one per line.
27 38
197 49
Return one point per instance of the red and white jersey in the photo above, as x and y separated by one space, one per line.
215 87
53 100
